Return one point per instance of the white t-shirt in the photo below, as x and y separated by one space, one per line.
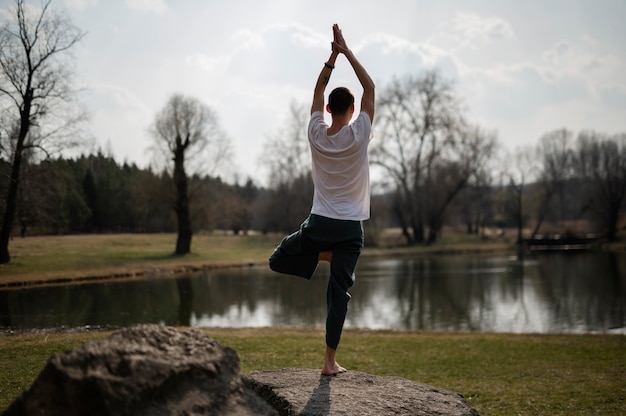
341 172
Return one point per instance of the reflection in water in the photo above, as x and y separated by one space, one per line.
185 300
547 293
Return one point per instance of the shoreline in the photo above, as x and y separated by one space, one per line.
133 274
28 281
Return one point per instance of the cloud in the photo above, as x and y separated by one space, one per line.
475 29
275 54
245 39
555 87
154 6
79 4
390 56
614 97
513 92
200 60
586 61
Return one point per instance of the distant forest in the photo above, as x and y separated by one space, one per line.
559 186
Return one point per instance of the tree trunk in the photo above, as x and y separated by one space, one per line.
613 219
417 225
540 217
434 228
9 212
397 208
181 205
14 181
519 230
519 217
185 300
418 232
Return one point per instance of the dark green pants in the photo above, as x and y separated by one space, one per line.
297 255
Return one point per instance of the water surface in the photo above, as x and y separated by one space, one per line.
547 293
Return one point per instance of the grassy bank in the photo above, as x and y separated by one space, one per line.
65 259
498 374
60 259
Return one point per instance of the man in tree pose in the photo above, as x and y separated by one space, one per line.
341 201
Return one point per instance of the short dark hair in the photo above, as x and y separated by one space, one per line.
340 100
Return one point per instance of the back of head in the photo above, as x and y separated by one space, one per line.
340 100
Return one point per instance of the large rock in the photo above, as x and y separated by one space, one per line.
145 370
300 392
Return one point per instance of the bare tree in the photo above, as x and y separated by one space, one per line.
288 160
463 161
35 93
601 162
286 152
475 203
518 172
422 143
555 153
415 115
188 132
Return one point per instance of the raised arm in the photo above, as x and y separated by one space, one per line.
322 81
368 99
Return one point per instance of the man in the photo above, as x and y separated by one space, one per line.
341 201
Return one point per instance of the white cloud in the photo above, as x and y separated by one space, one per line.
614 97
247 39
587 62
475 29
389 56
154 6
202 61
277 55
390 44
119 97
303 36
79 4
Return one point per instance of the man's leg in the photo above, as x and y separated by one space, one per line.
342 266
341 280
294 255
325 256
331 367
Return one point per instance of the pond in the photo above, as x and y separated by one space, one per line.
582 292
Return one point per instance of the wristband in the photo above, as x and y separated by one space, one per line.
329 66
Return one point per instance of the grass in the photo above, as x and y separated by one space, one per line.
498 374
50 258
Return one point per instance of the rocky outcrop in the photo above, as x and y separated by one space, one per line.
144 370
157 370
301 392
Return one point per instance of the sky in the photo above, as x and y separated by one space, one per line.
521 69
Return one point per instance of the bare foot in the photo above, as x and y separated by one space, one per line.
325 256
332 369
